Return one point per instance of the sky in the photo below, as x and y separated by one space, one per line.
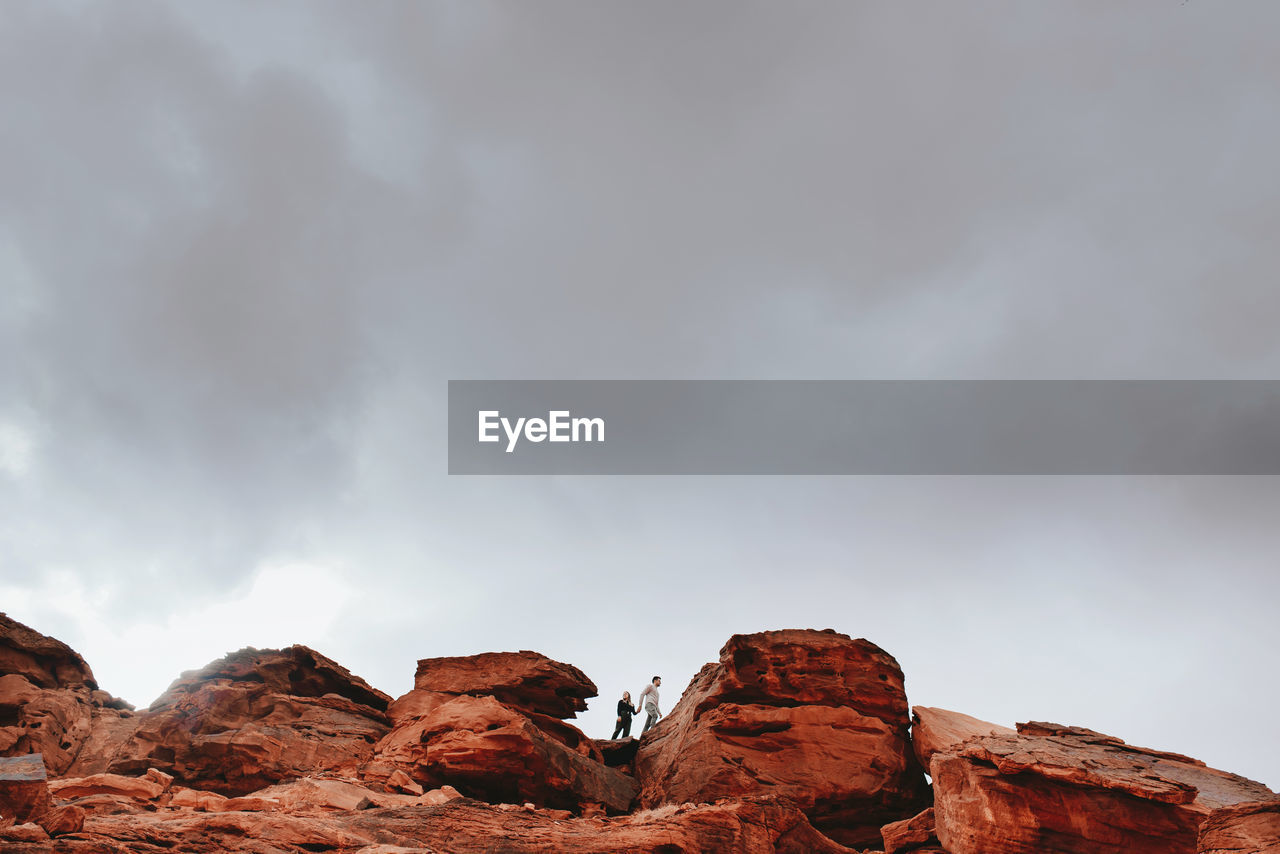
244 246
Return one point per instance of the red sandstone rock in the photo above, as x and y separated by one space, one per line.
758 826
41 660
255 718
49 701
137 788
442 795
24 790
1249 828
403 782
111 805
935 730
813 716
1076 792
910 834
196 799
749 827
108 731
319 794
810 715
492 752
528 681
207 833
164 780
60 821
249 803
30 833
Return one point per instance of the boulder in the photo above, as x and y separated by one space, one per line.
814 716
24 789
935 730
402 782
157 776
257 717
50 703
910 834
1075 791
527 681
1247 828
60 821
490 751
442 795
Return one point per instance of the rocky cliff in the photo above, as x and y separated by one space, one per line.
792 741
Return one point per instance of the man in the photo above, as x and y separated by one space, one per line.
649 700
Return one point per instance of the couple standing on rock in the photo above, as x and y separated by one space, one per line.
648 699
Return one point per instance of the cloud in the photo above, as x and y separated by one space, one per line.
243 248
282 604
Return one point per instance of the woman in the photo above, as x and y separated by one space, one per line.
625 711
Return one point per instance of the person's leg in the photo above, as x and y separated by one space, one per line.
649 721
626 727
616 730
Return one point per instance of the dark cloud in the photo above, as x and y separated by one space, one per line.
244 247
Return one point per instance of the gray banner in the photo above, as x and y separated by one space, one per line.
1071 427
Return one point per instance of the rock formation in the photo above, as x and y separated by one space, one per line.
1075 791
504 741
794 741
257 717
49 701
810 715
459 825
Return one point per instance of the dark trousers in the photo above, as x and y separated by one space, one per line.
624 727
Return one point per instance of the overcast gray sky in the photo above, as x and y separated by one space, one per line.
244 246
